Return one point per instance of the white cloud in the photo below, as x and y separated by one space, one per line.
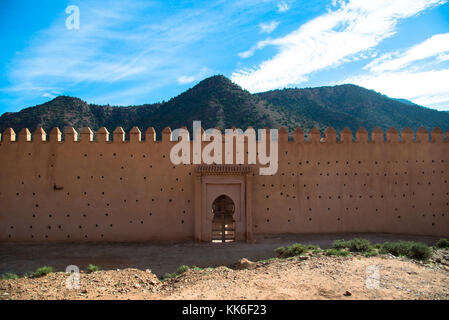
283 7
251 51
327 41
443 57
437 45
61 54
268 27
51 95
192 78
406 75
115 44
247 54
186 79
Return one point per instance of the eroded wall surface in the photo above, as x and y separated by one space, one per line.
53 190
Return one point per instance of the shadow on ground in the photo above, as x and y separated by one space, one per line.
162 257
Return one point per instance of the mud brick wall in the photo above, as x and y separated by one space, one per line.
102 187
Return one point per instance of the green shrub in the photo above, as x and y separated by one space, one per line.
359 245
443 243
291 251
267 260
296 250
313 247
9 276
41 272
337 252
371 253
413 250
340 244
93 268
401 248
404 247
420 251
196 268
280 251
354 245
168 276
182 269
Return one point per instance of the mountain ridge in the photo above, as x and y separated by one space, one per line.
218 102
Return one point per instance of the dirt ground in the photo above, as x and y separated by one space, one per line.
130 271
313 277
162 257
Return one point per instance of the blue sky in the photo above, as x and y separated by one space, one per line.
134 52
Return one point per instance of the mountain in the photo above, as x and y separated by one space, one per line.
218 102
405 101
353 106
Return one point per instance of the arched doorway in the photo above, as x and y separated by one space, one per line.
223 223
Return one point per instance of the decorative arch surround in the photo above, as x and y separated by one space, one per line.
213 181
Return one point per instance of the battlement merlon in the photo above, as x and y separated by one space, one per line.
135 135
